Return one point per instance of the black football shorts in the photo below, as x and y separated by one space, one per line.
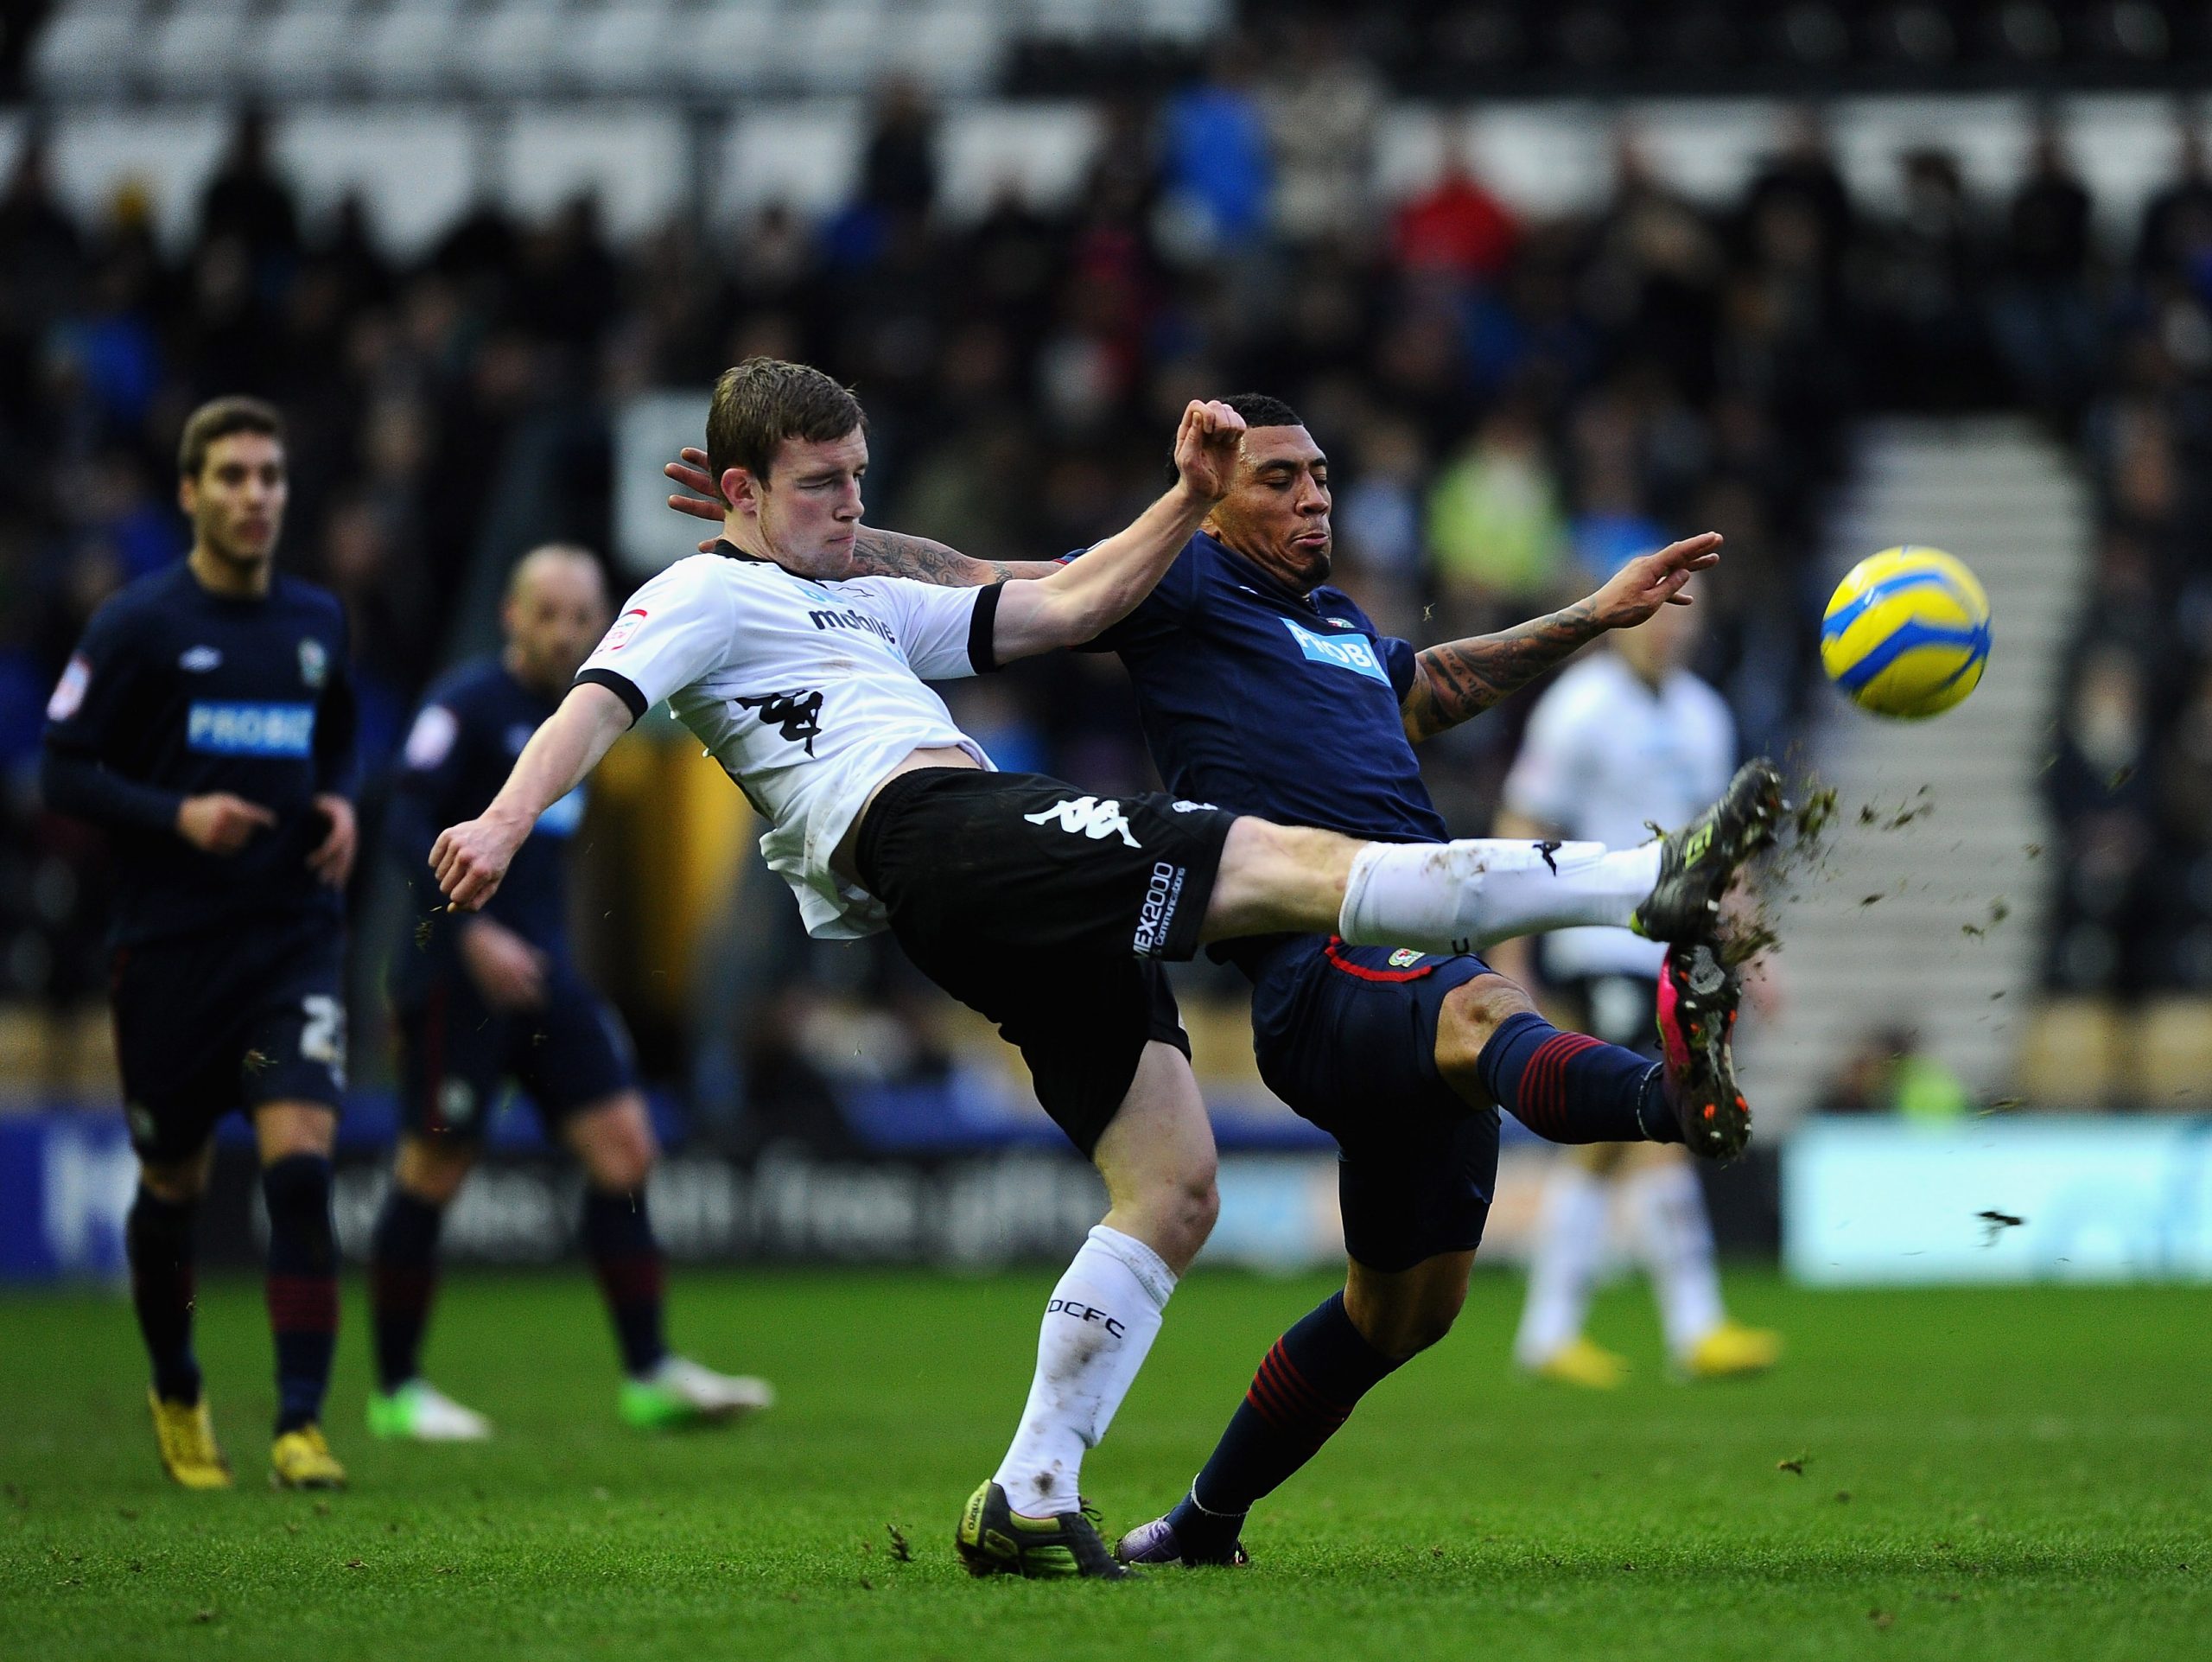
1050 910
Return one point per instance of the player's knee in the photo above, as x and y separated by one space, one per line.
177 1181
617 1147
1470 1014
1177 1208
433 1172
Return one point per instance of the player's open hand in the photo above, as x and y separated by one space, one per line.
1639 588
470 859
705 502
219 823
332 858
1206 446
507 969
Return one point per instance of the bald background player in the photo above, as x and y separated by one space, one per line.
495 998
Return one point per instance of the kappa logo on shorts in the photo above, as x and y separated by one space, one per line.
1086 816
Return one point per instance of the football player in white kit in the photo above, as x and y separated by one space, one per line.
1623 737
1046 908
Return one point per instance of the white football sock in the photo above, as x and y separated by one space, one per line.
1101 1321
1674 1237
1569 1246
1457 897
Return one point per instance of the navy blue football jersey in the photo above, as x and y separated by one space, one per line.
472 725
1264 701
175 691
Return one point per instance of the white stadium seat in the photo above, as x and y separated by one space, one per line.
311 46
623 48
412 48
511 50
731 48
195 50
86 49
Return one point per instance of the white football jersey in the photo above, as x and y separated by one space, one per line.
808 693
1604 754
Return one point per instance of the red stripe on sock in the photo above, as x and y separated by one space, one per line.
304 1303
630 1280
1542 1096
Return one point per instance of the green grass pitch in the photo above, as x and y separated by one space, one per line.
2018 1474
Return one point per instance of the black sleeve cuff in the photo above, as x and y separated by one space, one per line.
982 625
620 685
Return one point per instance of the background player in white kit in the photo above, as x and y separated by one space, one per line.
1625 736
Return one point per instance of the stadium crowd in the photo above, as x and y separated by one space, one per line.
1511 405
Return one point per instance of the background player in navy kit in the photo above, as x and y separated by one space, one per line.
207 720
494 995
1264 691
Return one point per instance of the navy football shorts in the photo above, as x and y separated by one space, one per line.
457 1054
1346 1036
223 1021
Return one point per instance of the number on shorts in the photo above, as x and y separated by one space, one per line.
323 1038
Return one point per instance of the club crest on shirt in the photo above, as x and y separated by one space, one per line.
199 659
314 663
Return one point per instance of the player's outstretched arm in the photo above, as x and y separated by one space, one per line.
1462 678
1087 595
470 859
876 553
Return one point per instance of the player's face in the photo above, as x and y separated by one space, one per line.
554 620
1277 514
810 508
237 503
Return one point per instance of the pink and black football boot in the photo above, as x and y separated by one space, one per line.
1697 1016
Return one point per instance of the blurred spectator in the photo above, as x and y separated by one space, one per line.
1321 101
1215 161
1496 527
1455 227
1890 1072
2045 312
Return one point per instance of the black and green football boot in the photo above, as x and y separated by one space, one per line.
1698 863
996 1540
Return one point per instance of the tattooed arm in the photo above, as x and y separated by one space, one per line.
875 553
1462 678
894 554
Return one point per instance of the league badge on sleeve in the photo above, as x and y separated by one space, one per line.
314 663
69 692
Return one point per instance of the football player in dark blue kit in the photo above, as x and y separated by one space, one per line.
207 721
1265 691
495 996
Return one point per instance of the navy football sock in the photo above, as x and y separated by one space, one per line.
627 1259
157 1239
402 1278
1568 1088
1304 1390
302 1284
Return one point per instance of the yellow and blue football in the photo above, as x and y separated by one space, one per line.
1907 633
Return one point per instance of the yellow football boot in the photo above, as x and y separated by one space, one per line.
1732 1351
186 1438
301 1460
1579 1362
